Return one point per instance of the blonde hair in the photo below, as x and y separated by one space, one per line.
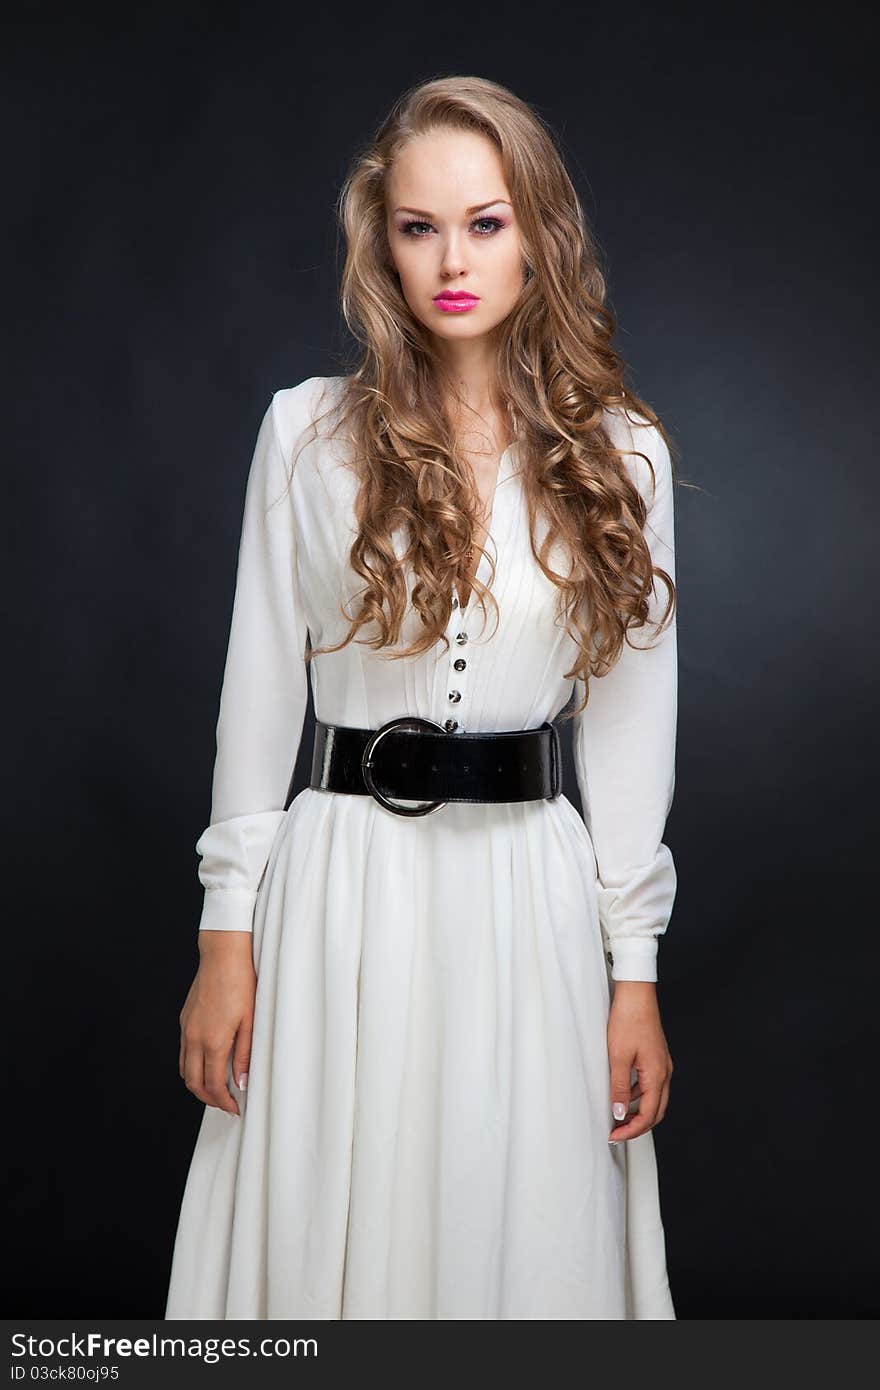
555 369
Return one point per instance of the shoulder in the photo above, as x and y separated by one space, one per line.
294 409
646 454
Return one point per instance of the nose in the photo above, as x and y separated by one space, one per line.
453 260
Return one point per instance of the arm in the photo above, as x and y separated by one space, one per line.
624 752
263 697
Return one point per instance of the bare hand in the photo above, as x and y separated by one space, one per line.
636 1040
218 1014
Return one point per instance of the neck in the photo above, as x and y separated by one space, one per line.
471 384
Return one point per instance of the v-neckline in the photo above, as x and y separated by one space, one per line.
481 571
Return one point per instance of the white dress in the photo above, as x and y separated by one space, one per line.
424 1132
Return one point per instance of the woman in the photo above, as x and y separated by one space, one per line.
424 1024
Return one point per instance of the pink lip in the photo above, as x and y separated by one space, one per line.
455 301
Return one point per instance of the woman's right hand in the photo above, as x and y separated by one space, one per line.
218 1014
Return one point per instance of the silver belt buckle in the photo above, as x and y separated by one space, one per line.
368 763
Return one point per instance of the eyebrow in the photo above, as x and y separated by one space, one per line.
420 212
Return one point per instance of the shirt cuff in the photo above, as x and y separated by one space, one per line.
632 957
228 909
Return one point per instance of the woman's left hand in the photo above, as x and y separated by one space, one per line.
636 1040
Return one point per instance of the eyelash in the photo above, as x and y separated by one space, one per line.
420 222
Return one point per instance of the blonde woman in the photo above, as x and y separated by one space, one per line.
424 1025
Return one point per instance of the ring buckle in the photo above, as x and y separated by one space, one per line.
368 762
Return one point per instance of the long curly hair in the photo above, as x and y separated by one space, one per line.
555 369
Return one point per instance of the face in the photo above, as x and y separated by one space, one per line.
452 232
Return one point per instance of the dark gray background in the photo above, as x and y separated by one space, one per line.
170 183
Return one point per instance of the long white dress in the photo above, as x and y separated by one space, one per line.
424 1132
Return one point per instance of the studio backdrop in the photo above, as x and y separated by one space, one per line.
172 261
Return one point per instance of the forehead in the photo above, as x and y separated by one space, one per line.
446 170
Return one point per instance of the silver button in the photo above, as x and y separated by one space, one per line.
460 664
450 725
461 638
455 696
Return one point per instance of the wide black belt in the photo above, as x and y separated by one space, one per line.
415 759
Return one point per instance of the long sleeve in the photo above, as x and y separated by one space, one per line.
263 696
624 752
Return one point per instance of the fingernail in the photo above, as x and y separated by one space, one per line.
618 1110
242 1081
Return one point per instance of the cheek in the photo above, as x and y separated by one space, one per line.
406 253
508 266
414 280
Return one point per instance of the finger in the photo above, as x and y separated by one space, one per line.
666 1089
216 1073
620 1086
195 1071
241 1057
644 1117
664 1101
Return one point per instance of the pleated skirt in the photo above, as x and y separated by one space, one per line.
424 1132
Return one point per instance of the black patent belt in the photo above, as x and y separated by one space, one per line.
415 759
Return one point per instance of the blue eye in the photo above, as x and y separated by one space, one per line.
408 227
493 224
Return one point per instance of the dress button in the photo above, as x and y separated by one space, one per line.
460 664
450 725
609 957
455 696
455 602
461 638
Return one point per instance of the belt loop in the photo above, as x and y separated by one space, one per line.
557 761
